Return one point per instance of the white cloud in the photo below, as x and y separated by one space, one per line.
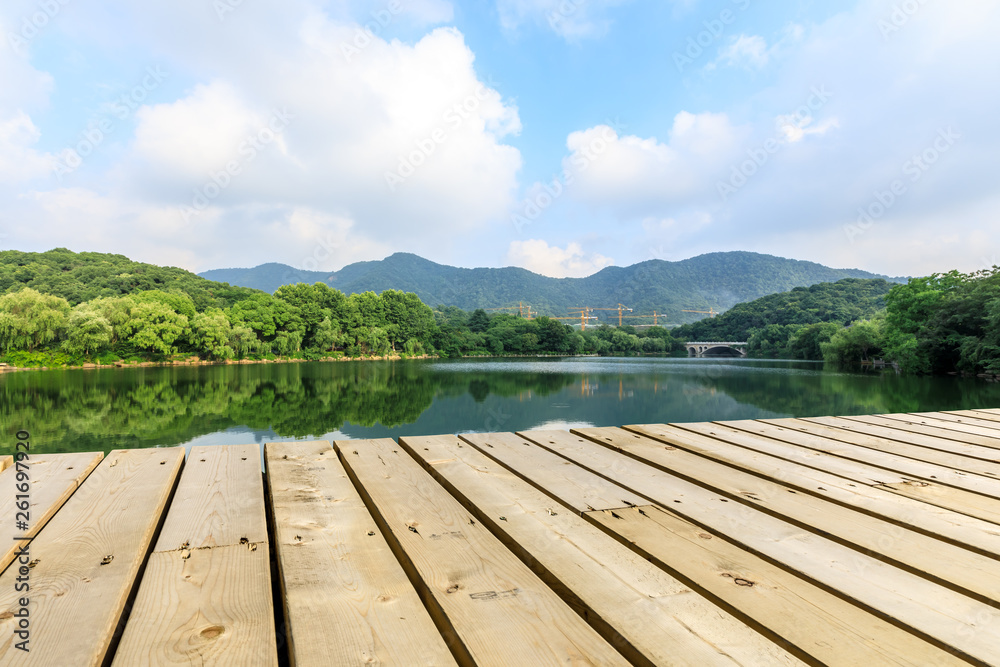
570 19
569 262
354 119
748 51
640 177
19 162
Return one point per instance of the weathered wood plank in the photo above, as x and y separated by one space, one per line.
829 629
913 426
206 592
88 557
219 501
960 529
940 561
347 599
53 479
6 462
926 608
751 434
909 444
209 606
784 605
495 611
984 415
983 425
563 478
894 463
650 616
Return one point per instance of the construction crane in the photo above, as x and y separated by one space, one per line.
655 317
583 315
520 308
620 310
710 312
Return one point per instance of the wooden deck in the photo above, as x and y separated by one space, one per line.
834 541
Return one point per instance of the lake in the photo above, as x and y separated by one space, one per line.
100 410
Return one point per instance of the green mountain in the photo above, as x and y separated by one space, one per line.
842 302
83 276
716 281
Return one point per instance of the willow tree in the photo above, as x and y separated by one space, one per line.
29 320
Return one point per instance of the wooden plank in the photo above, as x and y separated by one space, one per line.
347 599
829 629
913 443
939 561
960 529
985 425
894 463
650 616
983 415
52 479
754 435
206 592
911 426
219 501
493 609
208 606
931 610
87 559
564 479
6 462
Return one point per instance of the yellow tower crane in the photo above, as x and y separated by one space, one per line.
582 314
621 309
710 312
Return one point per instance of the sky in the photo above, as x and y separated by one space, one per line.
562 136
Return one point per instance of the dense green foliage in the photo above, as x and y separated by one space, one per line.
79 277
717 280
842 302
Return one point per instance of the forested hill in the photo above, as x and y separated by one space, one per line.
716 280
842 303
79 277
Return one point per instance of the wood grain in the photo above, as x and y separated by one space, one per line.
925 607
87 560
496 611
206 592
650 616
347 599
960 529
53 479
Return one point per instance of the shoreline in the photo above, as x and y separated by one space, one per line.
195 361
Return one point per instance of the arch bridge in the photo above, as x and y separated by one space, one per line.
709 349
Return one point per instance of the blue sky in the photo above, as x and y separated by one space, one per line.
558 135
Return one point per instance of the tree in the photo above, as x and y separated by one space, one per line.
479 321
29 320
154 327
210 333
244 341
327 336
88 332
856 343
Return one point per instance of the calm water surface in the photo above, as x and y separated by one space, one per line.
201 405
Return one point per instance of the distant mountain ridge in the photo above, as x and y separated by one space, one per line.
713 281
